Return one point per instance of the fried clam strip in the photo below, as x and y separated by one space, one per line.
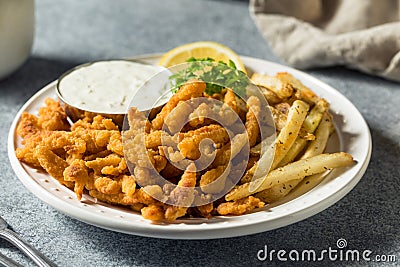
183 196
187 91
61 143
253 119
97 123
160 138
205 210
115 144
317 146
28 126
200 115
310 124
77 173
240 206
230 150
134 140
52 117
158 161
34 130
214 180
139 196
289 133
176 119
231 101
96 140
115 185
52 164
112 164
296 170
189 145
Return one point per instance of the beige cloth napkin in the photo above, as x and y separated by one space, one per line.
361 34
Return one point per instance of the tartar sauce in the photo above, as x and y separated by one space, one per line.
105 86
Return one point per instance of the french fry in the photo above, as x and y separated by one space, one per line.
281 88
266 147
278 191
310 124
289 133
322 133
279 118
270 96
306 94
295 170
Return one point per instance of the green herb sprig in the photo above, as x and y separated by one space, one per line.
217 75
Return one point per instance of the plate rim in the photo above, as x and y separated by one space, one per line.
198 232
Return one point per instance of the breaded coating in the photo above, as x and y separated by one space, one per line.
128 184
240 206
27 155
99 164
52 164
252 119
154 139
230 150
187 91
159 162
175 120
214 180
28 125
123 199
115 170
230 101
182 195
77 172
97 123
170 171
154 212
205 210
189 146
107 186
143 176
52 117
199 115
115 144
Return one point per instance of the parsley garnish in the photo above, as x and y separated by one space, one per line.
217 75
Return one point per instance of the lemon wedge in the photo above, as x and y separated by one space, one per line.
214 50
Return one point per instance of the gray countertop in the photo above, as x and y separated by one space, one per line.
73 32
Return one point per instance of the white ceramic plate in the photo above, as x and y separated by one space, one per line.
352 136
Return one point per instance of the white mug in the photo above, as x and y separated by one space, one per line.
16 33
